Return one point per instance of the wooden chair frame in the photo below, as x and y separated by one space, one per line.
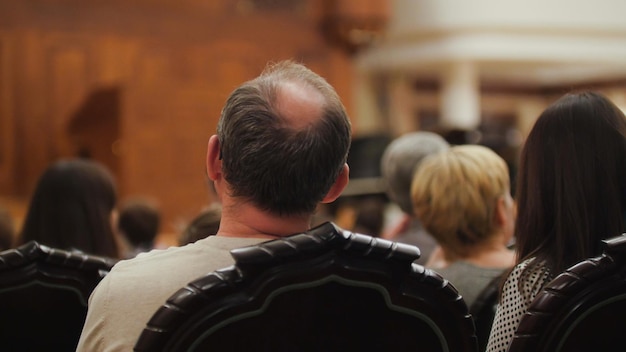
325 257
44 294
590 289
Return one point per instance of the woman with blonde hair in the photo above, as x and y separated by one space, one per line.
462 196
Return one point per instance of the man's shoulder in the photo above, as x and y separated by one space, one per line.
204 255
135 288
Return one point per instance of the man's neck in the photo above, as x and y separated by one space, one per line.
244 220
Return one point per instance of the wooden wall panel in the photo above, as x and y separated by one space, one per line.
114 59
169 118
67 70
34 141
170 65
7 118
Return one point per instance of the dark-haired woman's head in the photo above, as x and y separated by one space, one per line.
571 187
71 208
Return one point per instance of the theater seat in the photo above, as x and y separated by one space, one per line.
483 310
43 296
582 309
323 290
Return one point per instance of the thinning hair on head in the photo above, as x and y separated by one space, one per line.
281 169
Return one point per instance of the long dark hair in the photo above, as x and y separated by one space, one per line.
571 186
71 208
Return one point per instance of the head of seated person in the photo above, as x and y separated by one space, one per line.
204 224
138 222
399 162
571 194
462 196
72 208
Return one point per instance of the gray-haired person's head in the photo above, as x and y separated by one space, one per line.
402 158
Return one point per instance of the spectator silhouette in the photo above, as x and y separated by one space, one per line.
72 208
463 198
571 194
138 223
206 223
399 162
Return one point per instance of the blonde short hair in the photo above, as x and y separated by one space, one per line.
455 195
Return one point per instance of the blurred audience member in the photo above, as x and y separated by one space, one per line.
7 229
205 224
138 223
571 193
399 162
462 196
369 214
72 208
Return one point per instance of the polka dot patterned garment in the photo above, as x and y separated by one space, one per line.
513 305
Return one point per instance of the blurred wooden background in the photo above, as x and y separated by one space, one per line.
139 84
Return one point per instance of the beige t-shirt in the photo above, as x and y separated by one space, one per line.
131 293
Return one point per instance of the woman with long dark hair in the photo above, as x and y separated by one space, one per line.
72 207
571 194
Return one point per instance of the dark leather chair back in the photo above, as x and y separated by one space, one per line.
582 309
323 290
43 296
483 310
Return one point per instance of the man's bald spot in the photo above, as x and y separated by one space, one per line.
299 104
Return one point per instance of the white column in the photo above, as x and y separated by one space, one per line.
528 110
402 117
460 96
618 97
367 119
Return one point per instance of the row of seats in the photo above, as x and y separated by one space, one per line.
323 290
43 296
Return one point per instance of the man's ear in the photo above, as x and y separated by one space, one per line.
213 162
340 183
